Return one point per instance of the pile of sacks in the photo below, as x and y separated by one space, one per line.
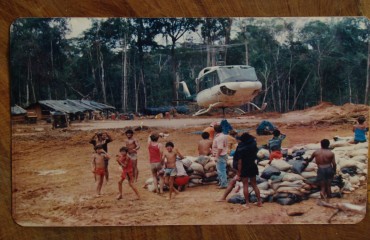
201 170
289 180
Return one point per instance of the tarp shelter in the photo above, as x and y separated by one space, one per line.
17 110
74 108
18 114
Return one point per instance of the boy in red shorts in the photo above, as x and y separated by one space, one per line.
98 166
127 170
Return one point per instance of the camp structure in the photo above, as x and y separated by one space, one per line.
59 119
18 114
75 109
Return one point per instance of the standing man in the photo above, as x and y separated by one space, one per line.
325 160
219 151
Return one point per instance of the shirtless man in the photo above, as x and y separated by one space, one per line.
133 145
170 173
205 145
325 160
98 166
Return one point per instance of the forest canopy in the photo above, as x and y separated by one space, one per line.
135 63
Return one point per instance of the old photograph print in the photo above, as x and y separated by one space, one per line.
189 121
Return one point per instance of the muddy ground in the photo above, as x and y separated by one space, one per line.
53 184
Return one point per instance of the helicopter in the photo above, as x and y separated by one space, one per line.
228 86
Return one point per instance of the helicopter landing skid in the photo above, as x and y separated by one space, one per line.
264 105
203 111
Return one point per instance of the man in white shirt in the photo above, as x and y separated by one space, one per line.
219 151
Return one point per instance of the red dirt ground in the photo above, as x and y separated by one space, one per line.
53 184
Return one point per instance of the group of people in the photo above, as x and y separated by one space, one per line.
166 167
126 158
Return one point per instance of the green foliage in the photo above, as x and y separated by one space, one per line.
300 63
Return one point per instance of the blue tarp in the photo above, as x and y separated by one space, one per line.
164 109
265 128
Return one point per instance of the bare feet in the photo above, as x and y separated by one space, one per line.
119 197
246 206
323 197
259 204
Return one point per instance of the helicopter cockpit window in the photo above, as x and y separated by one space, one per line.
208 81
234 74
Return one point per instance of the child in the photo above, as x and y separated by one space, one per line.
102 139
155 159
275 145
170 171
98 166
360 130
133 145
127 170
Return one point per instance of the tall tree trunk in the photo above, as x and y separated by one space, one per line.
142 80
246 52
102 74
265 75
273 95
136 94
27 95
349 89
277 77
52 68
92 67
209 62
227 35
28 80
319 71
124 77
287 102
300 91
366 102
174 70
246 46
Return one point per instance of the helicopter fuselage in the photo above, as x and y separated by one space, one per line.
230 94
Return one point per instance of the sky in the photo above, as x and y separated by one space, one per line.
78 25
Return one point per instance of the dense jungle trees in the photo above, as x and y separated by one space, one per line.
137 63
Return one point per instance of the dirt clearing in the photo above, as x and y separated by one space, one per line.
53 184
